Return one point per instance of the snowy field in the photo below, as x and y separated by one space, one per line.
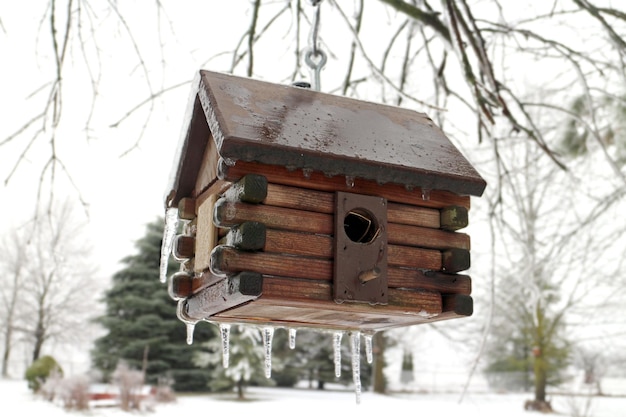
15 398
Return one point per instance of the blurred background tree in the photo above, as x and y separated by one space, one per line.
141 324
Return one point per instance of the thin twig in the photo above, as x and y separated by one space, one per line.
357 29
255 16
376 70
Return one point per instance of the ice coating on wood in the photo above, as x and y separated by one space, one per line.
169 232
225 334
337 352
292 338
355 349
368 347
268 334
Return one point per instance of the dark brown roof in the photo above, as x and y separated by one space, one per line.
299 128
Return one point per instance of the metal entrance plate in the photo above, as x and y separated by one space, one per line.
360 266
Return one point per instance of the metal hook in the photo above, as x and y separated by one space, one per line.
310 57
314 57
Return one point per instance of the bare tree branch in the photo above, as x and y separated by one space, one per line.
427 18
357 29
377 71
255 15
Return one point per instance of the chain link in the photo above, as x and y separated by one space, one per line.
314 57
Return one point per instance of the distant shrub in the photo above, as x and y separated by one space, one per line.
74 392
130 382
50 387
164 392
40 370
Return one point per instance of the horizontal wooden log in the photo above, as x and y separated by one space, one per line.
320 246
410 257
321 315
183 284
300 198
226 260
251 188
190 227
184 247
228 214
453 218
179 285
424 237
324 202
413 215
223 295
429 280
455 260
187 208
249 236
318 181
456 306
418 301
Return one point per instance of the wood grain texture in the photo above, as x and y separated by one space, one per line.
318 181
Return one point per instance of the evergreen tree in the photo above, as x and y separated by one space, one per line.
142 327
314 355
245 363
312 360
406 374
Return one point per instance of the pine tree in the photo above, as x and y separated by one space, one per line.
245 363
142 327
406 374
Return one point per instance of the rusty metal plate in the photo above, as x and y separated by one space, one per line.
360 247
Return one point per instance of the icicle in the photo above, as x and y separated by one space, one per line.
425 194
190 324
268 334
337 351
169 231
355 347
307 172
349 181
368 347
225 333
190 329
292 338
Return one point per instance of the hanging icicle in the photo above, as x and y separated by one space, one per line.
368 348
337 352
355 347
268 334
225 334
169 231
292 338
191 325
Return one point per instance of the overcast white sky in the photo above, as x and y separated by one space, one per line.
125 193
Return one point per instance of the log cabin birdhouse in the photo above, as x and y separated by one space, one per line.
305 209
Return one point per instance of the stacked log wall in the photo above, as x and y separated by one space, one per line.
294 255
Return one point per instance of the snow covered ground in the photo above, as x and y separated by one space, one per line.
16 398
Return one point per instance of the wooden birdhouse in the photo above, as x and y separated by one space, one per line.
305 209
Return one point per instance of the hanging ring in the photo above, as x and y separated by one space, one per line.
309 56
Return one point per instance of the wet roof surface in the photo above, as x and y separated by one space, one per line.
299 128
